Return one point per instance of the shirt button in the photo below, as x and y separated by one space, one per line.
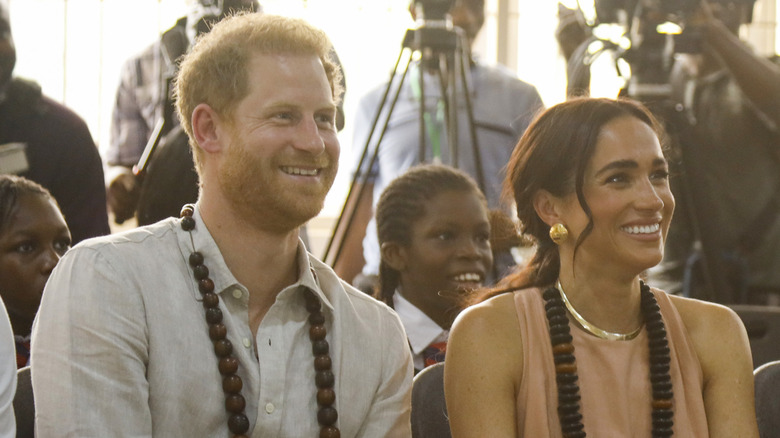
237 293
247 344
269 407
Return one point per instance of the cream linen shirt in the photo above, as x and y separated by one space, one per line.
121 347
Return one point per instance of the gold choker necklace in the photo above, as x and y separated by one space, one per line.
592 329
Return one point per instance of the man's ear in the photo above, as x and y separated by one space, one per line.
394 255
206 128
548 207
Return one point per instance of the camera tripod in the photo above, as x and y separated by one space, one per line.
438 49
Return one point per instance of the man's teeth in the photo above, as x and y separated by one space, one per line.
468 278
644 229
299 171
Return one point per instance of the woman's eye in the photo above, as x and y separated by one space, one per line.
617 178
660 175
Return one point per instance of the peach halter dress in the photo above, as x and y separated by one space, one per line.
613 378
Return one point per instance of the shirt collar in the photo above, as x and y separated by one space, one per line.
220 274
421 330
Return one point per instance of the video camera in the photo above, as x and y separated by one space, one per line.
675 11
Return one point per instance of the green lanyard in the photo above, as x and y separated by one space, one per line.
433 129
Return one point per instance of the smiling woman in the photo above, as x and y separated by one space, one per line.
599 219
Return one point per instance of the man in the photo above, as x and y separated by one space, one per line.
143 99
723 244
502 107
124 347
58 151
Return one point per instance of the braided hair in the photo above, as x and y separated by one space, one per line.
12 188
405 201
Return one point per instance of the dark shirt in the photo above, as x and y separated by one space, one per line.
61 154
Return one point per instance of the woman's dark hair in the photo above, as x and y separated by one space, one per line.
11 189
405 201
552 155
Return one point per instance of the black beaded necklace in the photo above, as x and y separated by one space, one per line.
238 423
566 365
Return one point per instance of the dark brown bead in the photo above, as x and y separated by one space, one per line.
326 396
561 339
196 259
232 384
312 303
324 379
210 300
235 403
200 271
186 210
319 348
238 423
217 331
322 363
228 365
329 432
187 223
240 436
327 416
223 348
213 315
206 285
317 318
317 332
566 379
563 358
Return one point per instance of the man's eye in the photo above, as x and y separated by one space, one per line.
445 236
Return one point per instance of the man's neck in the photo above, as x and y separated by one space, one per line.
264 262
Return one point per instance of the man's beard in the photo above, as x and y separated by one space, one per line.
255 190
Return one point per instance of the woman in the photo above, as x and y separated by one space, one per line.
433 228
33 237
581 345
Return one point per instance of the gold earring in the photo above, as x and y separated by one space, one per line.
559 233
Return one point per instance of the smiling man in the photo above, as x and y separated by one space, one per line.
220 323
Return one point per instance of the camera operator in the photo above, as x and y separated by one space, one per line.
502 107
724 242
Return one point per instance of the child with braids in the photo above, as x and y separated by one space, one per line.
434 230
33 237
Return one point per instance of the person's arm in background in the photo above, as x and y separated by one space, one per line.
7 376
756 76
129 133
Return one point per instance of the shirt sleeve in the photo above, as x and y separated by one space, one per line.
7 376
90 351
129 130
390 413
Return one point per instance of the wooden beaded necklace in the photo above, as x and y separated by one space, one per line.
324 379
566 365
